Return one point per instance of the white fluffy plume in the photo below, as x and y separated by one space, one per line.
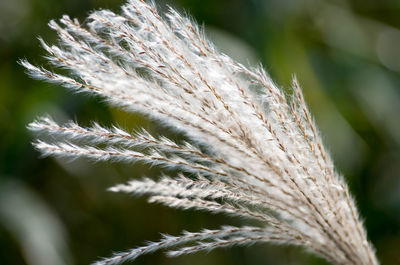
261 157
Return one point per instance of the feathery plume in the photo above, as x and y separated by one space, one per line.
261 156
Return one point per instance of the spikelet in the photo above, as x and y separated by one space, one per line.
261 157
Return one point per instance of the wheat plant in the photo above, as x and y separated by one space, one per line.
253 152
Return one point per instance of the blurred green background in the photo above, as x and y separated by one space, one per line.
346 55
